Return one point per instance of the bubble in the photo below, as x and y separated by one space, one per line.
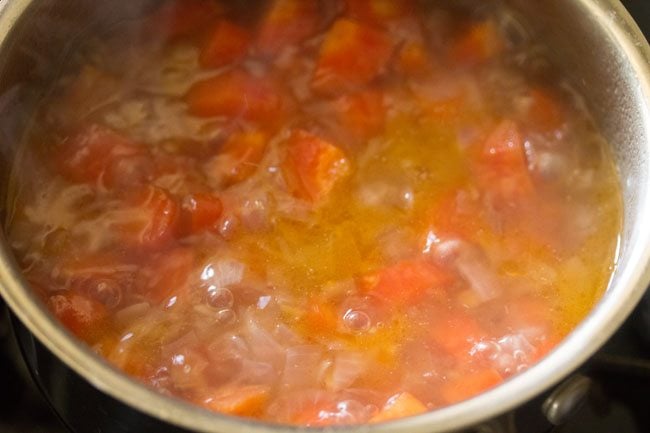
107 292
226 317
219 297
356 320
228 226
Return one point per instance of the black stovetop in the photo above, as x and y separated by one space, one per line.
619 400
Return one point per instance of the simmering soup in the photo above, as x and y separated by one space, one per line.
316 212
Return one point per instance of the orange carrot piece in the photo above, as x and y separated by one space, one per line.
399 406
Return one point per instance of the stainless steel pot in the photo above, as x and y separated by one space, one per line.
595 42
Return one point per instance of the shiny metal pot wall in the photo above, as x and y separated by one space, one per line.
594 42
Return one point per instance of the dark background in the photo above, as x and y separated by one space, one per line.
640 10
621 369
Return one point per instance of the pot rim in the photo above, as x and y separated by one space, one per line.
591 333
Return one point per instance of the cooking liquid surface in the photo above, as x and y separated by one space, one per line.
316 214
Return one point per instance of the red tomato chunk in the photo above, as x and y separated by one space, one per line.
228 43
180 18
149 218
201 211
313 166
352 55
287 22
236 95
86 156
78 313
407 282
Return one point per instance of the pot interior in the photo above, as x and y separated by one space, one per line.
602 54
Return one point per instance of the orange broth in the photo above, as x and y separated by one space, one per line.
316 213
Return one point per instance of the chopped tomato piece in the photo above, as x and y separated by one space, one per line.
313 166
166 277
235 94
414 60
179 18
457 214
200 212
238 400
503 167
399 406
504 148
545 112
319 319
151 219
352 55
362 114
504 151
379 11
238 158
406 282
226 44
287 22
80 314
456 333
129 170
470 384
480 43
85 156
